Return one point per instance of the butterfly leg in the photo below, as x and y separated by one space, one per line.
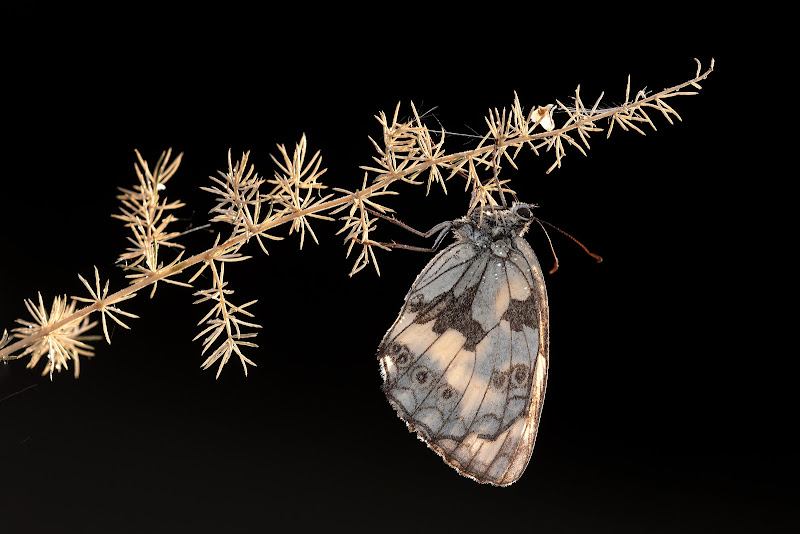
441 229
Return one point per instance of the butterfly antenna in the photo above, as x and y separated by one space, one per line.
555 258
586 250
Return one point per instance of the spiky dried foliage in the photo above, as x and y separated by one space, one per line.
408 152
148 215
359 223
239 202
57 333
295 188
223 319
106 310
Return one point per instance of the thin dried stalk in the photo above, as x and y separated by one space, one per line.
407 151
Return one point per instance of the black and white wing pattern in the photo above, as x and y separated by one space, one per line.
465 363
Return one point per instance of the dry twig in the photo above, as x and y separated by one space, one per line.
408 152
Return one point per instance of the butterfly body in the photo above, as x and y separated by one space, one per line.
465 363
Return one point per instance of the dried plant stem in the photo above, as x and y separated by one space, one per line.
409 150
169 271
587 121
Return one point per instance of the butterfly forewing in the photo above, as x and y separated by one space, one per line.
465 363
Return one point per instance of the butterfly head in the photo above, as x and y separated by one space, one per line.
503 222
490 224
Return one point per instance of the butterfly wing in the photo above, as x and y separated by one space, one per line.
465 363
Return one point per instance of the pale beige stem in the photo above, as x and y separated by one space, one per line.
417 167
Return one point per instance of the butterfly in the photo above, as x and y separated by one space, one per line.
465 363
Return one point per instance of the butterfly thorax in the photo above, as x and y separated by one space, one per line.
491 226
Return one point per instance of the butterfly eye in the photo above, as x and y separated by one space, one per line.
524 212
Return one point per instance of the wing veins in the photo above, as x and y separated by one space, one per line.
462 345
415 288
530 417
439 273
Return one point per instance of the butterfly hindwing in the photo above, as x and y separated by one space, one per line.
465 363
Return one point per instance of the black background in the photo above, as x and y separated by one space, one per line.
662 414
